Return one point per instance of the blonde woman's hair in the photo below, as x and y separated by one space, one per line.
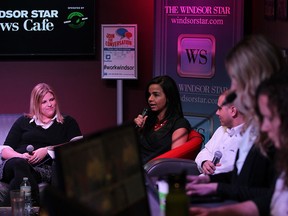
250 62
37 94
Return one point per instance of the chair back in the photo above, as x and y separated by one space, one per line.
188 150
6 122
166 166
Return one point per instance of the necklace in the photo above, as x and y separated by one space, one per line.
158 125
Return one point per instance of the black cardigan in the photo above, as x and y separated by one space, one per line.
256 178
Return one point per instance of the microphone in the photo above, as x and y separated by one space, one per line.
217 157
229 98
144 113
30 149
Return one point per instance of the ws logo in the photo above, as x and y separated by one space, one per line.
196 56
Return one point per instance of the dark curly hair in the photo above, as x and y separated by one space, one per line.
276 89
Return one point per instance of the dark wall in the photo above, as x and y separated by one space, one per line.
78 84
81 91
275 29
142 14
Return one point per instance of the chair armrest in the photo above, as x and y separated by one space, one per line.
188 150
165 166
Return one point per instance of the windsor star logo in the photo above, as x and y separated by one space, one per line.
196 55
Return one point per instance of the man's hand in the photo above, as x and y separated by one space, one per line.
209 168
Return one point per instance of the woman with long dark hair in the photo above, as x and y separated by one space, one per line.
165 127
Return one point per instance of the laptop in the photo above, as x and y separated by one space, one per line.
103 173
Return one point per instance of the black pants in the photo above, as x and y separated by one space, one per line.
14 171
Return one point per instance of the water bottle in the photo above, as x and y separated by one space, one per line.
177 202
26 188
162 191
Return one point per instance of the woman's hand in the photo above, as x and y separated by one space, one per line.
7 152
199 185
198 211
193 179
140 121
201 189
38 155
247 208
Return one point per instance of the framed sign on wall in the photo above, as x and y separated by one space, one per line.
192 39
119 51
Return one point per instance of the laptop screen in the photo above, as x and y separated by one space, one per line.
103 171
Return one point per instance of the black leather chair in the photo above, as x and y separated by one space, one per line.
165 166
6 122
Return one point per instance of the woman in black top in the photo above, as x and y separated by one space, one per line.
43 127
165 127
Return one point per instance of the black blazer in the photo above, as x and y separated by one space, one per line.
256 178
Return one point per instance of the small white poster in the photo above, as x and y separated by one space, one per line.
119 51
